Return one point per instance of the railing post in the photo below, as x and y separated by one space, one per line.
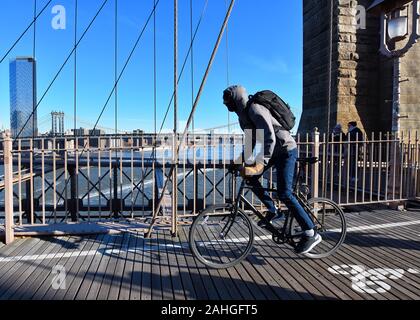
315 168
8 190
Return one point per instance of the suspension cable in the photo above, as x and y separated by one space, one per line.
197 100
126 64
116 66
192 59
154 70
184 65
227 64
61 68
34 96
75 67
24 32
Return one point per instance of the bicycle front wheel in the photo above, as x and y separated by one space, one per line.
221 238
330 223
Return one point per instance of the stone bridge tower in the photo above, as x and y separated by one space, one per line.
361 78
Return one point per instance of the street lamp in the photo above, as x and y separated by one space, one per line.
395 25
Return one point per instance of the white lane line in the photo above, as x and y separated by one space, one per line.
155 247
383 226
115 251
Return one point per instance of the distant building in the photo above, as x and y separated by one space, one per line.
138 132
80 132
23 97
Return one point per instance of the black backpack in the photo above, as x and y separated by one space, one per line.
279 109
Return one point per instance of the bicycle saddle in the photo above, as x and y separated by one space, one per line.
308 160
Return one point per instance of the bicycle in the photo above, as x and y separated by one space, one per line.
222 236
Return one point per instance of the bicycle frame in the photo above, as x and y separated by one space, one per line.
283 234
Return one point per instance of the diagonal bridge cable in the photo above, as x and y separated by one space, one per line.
123 69
184 65
61 68
24 32
194 108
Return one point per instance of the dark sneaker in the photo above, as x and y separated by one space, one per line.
271 217
307 244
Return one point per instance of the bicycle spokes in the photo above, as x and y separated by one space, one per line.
221 238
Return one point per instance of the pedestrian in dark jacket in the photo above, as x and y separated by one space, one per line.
355 137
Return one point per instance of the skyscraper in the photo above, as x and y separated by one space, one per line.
23 97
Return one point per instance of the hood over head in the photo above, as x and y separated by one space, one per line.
240 97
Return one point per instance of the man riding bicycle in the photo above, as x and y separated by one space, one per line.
280 151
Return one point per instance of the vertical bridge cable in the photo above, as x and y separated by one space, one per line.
184 65
116 65
197 100
75 67
61 68
34 96
121 73
192 60
227 65
154 70
175 144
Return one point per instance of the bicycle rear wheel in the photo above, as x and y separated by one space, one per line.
221 238
330 223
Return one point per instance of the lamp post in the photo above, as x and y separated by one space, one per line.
400 21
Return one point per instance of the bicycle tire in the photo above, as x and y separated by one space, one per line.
194 234
339 233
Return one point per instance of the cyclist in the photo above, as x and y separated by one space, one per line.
280 151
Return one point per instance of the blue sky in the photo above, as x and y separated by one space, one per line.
265 50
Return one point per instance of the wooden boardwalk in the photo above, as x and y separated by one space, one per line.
380 260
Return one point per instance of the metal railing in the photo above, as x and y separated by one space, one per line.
54 180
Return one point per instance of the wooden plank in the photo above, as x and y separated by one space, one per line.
67 262
13 273
209 284
73 267
101 269
231 273
260 267
311 274
146 279
241 287
193 284
91 275
38 292
15 249
127 274
24 273
80 275
136 284
176 273
391 260
27 289
219 277
166 291
119 275
102 289
200 292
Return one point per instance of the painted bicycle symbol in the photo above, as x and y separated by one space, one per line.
370 281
